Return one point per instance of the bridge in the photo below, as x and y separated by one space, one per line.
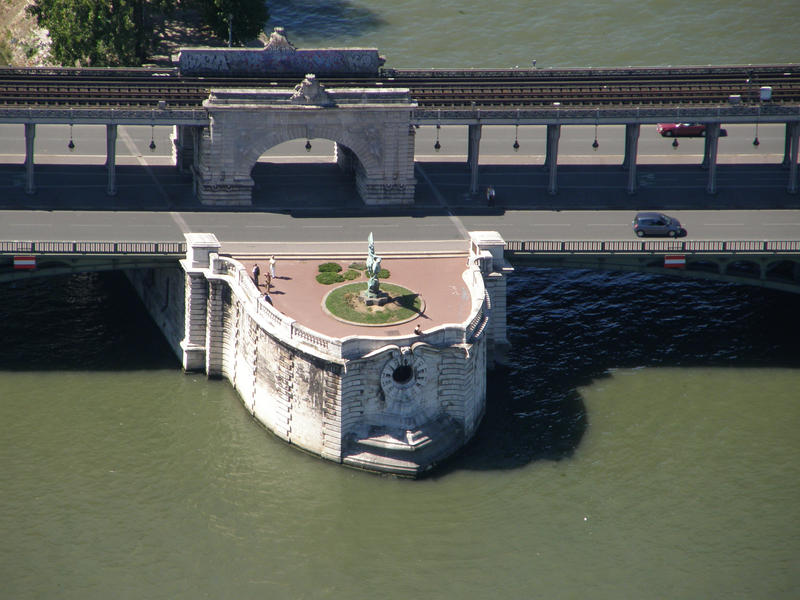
223 123
767 263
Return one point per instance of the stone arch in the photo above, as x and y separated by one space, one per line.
375 138
341 137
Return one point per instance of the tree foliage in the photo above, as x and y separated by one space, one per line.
100 32
113 33
248 18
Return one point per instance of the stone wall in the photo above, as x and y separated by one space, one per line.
391 404
261 61
279 56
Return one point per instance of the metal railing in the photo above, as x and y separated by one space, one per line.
93 248
654 246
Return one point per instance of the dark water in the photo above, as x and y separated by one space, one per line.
641 442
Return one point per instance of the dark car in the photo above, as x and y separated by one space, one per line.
653 223
685 130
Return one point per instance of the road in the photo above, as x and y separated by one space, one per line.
669 179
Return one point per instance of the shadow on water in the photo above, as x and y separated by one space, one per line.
88 321
568 329
330 20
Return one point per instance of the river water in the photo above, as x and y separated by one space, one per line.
642 442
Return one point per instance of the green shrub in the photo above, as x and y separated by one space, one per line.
329 277
351 274
358 266
329 267
383 274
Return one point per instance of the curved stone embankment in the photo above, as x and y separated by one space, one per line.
389 403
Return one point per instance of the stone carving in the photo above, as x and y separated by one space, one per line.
310 91
278 41
373 268
402 380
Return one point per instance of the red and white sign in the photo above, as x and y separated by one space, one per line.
24 262
674 261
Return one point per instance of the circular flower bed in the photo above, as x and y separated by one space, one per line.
345 303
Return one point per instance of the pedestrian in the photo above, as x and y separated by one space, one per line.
268 280
256 273
272 266
490 196
267 299
418 330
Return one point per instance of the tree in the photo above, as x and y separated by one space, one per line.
100 32
249 18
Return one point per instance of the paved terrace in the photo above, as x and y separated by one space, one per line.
296 293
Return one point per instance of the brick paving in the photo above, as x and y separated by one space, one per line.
296 293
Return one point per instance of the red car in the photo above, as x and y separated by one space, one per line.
685 130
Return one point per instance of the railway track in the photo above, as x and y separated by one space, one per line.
432 90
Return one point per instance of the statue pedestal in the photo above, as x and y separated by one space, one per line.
371 299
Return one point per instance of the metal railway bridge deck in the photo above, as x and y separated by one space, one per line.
438 93
553 97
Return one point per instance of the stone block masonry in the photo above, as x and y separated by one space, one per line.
399 404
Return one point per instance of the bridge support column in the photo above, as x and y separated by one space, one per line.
183 147
200 246
787 145
473 151
214 329
486 250
794 146
111 159
345 158
710 159
631 148
551 158
30 136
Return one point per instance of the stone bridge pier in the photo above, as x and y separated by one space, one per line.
370 126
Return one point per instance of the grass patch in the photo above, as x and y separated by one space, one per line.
345 303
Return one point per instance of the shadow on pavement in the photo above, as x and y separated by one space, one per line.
322 190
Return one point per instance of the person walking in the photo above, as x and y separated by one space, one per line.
256 273
490 196
272 266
